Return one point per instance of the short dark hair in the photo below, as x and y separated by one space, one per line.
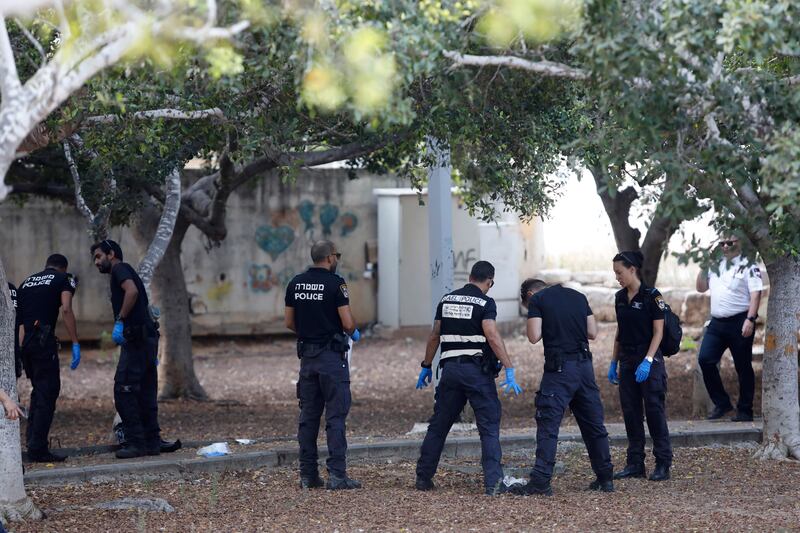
320 250
107 246
530 284
631 258
481 271
57 261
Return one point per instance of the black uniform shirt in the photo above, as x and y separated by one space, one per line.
635 318
462 313
316 296
563 312
39 297
139 315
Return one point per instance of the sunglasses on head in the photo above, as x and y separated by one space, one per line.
728 243
338 255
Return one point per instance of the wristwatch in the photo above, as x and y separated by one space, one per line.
752 318
423 365
651 359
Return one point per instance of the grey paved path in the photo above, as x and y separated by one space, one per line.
104 467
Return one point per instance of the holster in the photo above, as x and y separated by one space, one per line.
490 365
553 361
340 343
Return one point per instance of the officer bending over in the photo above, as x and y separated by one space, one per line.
136 377
318 310
39 298
562 318
465 325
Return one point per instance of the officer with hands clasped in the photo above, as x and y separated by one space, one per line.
318 310
39 298
638 368
562 319
735 296
136 377
466 328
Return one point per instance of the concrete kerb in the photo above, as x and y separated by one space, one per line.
455 447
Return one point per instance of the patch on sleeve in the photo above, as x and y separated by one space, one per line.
755 272
661 303
343 288
72 282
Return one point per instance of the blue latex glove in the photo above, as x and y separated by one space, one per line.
510 384
116 333
425 376
613 377
76 356
356 336
643 371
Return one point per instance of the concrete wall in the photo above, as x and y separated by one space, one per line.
515 249
238 287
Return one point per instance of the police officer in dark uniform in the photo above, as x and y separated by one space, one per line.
39 298
562 318
136 377
642 375
470 349
318 310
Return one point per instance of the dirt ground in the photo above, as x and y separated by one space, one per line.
252 386
712 489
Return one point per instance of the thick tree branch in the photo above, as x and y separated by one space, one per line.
9 79
76 180
170 114
618 209
546 68
166 225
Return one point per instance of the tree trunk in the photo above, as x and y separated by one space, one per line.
618 209
176 376
14 502
780 390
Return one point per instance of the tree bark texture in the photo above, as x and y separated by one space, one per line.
163 232
14 502
780 389
176 376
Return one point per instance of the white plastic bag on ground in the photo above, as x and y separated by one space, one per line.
217 449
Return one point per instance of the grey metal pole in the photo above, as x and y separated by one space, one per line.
440 228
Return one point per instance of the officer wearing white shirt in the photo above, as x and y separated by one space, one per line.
735 296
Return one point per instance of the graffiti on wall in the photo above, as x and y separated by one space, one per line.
274 239
462 263
261 278
279 236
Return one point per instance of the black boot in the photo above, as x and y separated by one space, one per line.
531 489
742 416
631 471
602 486
661 473
129 452
166 446
424 484
719 412
45 456
311 482
342 483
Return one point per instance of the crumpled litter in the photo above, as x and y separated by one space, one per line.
245 442
218 449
